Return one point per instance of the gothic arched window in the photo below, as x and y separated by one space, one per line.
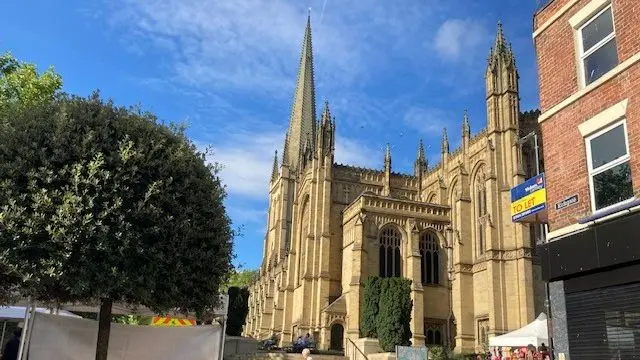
433 334
481 212
430 258
390 258
304 232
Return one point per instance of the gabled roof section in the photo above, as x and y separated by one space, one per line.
303 109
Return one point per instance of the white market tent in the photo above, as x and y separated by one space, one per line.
534 333
117 309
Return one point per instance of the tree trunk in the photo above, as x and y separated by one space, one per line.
104 329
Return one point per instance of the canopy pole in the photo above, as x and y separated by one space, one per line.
4 330
25 326
222 337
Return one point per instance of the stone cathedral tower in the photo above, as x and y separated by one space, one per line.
446 227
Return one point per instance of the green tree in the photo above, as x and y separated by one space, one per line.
238 310
103 203
370 307
241 278
395 313
21 85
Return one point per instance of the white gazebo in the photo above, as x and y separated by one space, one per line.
534 333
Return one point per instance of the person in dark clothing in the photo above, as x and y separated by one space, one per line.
13 346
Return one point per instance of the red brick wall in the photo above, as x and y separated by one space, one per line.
564 146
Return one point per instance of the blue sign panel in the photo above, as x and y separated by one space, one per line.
528 187
528 198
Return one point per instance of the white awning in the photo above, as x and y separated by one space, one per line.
534 333
17 312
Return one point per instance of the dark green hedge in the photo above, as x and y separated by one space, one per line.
386 311
238 310
395 313
369 313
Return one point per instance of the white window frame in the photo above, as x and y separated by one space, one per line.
593 172
582 54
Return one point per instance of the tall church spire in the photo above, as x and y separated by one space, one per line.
303 110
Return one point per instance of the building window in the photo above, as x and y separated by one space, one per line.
304 233
483 332
390 259
598 51
609 168
433 334
481 211
430 256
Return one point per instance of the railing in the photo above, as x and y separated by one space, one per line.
353 352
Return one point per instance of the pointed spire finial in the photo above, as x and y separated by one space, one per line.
420 165
445 141
387 157
500 43
420 150
466 127
274 172
285 151
326 113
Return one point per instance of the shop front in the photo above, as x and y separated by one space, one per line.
594 282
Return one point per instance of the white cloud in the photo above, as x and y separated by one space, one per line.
459 39
354 152
253 45
427 120
247 159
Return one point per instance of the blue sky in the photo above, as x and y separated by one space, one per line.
392 71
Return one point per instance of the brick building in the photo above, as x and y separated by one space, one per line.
588 54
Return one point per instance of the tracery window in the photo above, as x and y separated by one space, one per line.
430 258
390 258
304 232
481 212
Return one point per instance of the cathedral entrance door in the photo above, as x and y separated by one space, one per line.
337 337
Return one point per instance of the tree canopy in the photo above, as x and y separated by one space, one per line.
241 278
103 203
21 86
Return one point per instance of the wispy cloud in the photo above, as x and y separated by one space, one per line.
254 44
460 39
354 152
246 158
428 120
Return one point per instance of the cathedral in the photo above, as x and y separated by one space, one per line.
446 227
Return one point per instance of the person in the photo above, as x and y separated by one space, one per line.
306 353
13 346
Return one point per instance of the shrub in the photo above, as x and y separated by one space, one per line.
370 306
238 310
394 313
